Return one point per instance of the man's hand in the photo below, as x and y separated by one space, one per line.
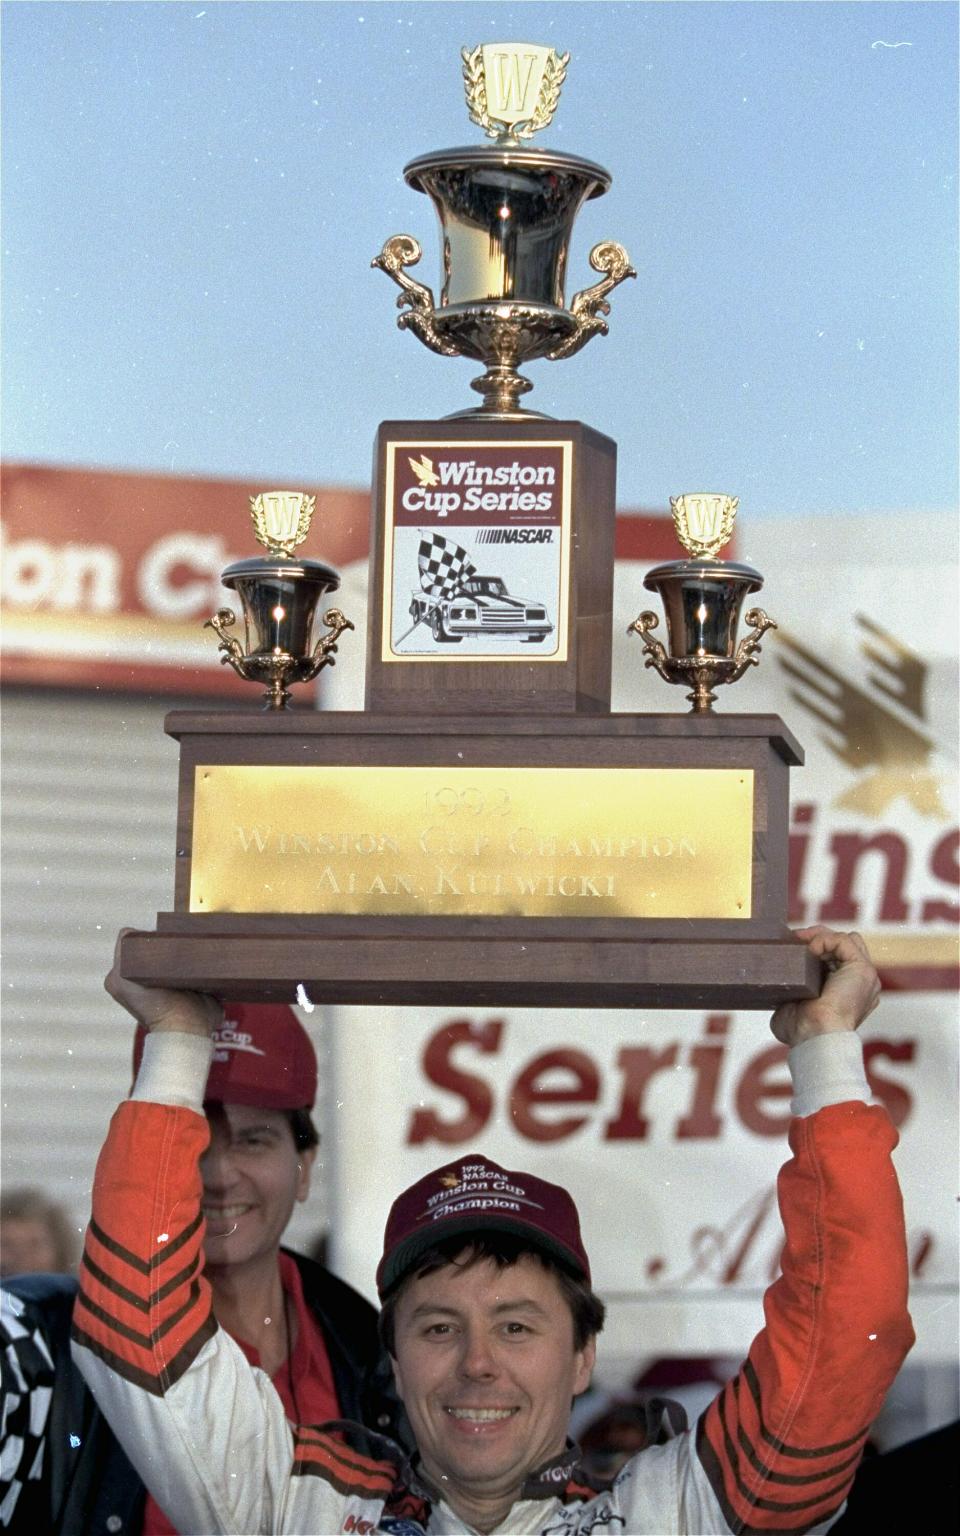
161 1008
851 989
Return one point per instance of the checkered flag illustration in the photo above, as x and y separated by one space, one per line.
26 1374
444 566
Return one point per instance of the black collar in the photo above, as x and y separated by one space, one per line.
562 1477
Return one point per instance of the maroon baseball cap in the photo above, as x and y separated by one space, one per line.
474 1196
262 1055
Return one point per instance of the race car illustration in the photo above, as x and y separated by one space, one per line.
481 605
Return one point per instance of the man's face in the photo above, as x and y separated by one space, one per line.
26 1245
486 1367
252 1176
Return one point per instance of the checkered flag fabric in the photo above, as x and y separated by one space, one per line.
444 566
26 1373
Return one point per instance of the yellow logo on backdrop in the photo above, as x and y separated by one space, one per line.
873 726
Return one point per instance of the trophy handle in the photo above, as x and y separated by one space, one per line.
278 694
749 647
590 304
229 644
654 650
416 300
323 651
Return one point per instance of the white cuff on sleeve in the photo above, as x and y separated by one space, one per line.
174 1069
827 1069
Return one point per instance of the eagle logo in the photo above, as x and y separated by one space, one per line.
874 728
424 470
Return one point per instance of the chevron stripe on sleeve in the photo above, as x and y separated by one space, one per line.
781 1443
144 1307
317 1454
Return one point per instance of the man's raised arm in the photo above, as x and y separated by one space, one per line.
206 1432
779 1447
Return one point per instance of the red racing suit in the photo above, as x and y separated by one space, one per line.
775 1452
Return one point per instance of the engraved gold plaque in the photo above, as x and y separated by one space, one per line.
452 842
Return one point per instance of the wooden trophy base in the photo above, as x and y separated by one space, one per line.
623 861
396 962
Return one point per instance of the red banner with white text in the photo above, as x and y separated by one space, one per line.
107 578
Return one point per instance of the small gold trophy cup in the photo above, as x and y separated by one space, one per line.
506 218
702 598
280 596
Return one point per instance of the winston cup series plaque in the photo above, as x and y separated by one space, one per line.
486 831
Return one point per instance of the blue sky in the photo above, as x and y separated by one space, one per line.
193 193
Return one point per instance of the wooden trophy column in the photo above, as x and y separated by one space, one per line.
530 507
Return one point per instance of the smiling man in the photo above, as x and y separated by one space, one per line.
311 1334
484 1379
491 1323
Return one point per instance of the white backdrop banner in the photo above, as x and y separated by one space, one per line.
669 1127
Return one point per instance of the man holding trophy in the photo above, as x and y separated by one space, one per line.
501 525
491 1325
314 1336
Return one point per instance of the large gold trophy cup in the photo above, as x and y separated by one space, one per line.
506 219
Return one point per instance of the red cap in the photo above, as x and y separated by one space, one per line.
473 1196
262 1055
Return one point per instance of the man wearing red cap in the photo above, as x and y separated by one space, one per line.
491 1322
314 1336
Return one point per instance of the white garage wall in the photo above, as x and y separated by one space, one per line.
89 820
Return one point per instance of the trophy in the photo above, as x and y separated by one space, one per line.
702 598
506 218
280 597
486 832
526 626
